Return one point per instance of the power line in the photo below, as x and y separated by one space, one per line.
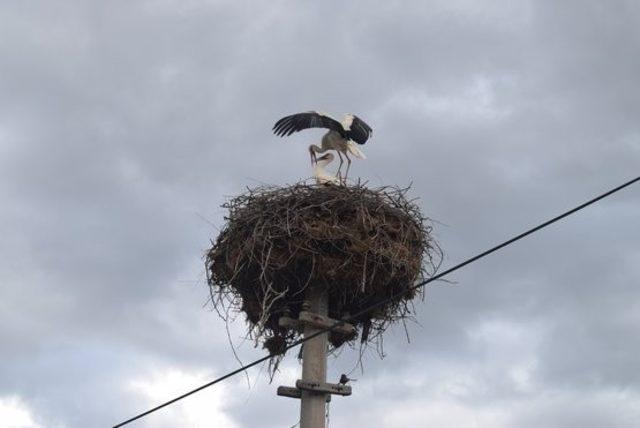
393 297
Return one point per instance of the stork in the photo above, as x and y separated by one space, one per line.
322 177
340 136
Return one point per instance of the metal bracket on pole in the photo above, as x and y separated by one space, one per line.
287 391
316 320
321 321
317 387
323 388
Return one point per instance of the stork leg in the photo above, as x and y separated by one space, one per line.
346 174
338 174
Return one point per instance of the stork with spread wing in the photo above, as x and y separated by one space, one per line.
340 137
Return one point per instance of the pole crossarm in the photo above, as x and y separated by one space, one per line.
293 392
323 387
317 321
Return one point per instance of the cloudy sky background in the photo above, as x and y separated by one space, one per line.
125 124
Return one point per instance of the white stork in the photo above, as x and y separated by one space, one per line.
340 136
322 177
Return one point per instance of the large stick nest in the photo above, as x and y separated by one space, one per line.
362 245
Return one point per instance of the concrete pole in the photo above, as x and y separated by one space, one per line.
314 363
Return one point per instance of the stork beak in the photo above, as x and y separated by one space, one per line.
312 154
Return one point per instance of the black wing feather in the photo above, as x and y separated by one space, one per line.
282 125
311 119
360 132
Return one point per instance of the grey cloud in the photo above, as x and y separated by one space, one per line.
123 127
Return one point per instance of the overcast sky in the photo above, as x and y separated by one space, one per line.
124 125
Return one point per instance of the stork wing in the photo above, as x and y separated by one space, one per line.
311 119
360 131
354 150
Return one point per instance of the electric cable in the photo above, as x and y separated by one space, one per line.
393 297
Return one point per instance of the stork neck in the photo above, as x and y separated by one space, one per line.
316 149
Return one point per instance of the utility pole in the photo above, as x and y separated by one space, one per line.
313 390
314 363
